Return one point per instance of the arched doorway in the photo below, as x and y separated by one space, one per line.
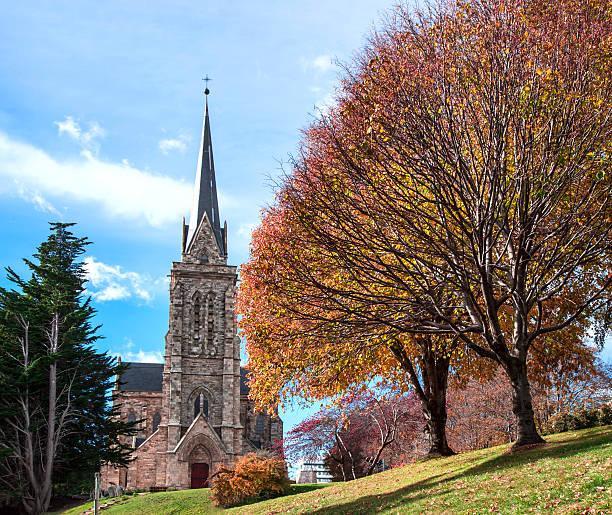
199 462
199 475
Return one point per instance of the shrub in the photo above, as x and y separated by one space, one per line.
586 418
579 419
253 477
605 415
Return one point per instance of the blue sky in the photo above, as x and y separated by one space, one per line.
101 109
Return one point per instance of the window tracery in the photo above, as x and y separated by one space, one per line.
202 401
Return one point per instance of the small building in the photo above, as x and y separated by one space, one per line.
312 472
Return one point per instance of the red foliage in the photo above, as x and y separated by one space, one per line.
358 432
480 412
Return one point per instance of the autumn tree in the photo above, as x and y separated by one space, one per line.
316 328
480 410
355 432
465 170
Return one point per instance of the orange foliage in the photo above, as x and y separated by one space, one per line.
253 477
456 201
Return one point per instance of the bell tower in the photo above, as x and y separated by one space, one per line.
202 352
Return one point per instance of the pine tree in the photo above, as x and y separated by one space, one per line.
57 423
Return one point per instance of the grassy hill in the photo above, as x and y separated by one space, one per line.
571 474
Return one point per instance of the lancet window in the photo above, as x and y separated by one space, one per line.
259 425
210 321
156 421
197 318
202 401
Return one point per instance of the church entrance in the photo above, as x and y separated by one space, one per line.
199 475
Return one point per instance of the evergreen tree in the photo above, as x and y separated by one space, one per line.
57 422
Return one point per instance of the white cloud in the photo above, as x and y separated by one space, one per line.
120 189
325 102
111 282
179 143
34 197
139 356
70 127
143 357
87 138
322 63
166 145
245 230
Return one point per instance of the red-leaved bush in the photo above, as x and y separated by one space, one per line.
254 476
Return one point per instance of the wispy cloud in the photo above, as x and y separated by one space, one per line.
325 102
120 189
143 357
111 282
321 63
179 143
86 138
245 230
140 356
34 197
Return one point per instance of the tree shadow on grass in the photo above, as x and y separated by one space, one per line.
295 489
562 447
309 487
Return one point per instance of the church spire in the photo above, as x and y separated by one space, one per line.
205 192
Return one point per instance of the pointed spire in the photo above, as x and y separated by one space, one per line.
205 192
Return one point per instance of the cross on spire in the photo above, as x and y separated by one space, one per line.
206 79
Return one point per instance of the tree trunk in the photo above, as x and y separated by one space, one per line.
432 394
435 418
522 407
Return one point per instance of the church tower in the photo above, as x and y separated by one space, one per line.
202 358
195 409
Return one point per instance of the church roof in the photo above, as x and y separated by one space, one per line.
147 377
205 192
141 377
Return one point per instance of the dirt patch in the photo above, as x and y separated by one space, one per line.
514 450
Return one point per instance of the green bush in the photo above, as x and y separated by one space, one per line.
253 477
579 419
605 415
586 418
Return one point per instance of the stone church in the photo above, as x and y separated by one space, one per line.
194 408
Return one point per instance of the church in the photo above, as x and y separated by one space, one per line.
194 408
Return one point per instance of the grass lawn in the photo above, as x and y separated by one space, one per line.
571 474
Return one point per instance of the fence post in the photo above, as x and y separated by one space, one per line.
97 493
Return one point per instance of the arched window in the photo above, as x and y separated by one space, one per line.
197 322
204 258
210 322
259 425
196 405
156 421
131 417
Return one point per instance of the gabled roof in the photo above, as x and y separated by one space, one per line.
205 192
141 377
147 377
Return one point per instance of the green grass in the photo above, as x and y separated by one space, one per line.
571 474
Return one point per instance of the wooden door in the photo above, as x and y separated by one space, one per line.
199 475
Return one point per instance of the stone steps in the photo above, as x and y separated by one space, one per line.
117 500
